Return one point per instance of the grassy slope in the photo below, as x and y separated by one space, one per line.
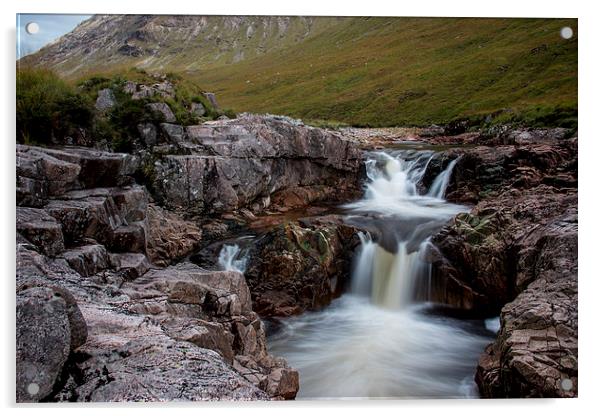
411 71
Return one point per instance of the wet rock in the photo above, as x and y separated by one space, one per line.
43 342
105 100
169 237
297 267
164 110
40 229
516 252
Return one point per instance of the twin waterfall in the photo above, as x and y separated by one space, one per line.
394 273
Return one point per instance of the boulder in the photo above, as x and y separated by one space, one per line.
300 266
87 260
173 133
40 176
233 164
105 100
198 109
148 133
40 229
43 342
211 97
164 110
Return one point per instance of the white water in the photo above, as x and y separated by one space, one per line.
231 258
378 341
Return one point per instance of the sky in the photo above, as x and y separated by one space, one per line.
52 26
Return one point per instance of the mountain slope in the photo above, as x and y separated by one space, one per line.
367 71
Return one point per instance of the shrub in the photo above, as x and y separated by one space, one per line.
48 109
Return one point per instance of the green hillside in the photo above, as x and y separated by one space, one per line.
381 72
360 71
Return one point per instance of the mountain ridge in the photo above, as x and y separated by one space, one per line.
364 70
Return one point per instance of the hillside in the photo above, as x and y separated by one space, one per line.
363 71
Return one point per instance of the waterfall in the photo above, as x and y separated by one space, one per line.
442 180
231 258
393 271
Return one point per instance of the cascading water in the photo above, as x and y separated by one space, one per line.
379 340
231 258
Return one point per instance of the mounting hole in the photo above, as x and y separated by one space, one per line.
32 28
566 32
566 384
33 389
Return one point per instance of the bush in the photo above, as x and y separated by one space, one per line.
48 109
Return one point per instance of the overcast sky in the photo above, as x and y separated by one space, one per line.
52 26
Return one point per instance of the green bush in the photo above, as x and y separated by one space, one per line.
48 109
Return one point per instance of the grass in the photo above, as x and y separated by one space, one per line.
373 72
48 108
381 72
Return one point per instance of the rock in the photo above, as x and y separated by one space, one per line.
130 266
211 97
233 164
297 267
148 133
105 100
160 369
164 110
87 260
198 109
173 133
516 252
40 176
130 87
77 324
40 229
43 342
169 237
97 168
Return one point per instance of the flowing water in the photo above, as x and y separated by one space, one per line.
383 339
231 257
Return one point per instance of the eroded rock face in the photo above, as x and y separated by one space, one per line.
301 266
99 317
231 164
516 251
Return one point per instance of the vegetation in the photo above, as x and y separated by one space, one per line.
374 71
48 107
380 72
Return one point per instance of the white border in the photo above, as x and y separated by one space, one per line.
590 289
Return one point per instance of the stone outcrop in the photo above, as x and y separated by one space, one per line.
226 165
103 315
300 266
516 251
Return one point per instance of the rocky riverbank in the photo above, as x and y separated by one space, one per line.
118 293
108 307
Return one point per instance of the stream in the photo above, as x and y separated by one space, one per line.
383 338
